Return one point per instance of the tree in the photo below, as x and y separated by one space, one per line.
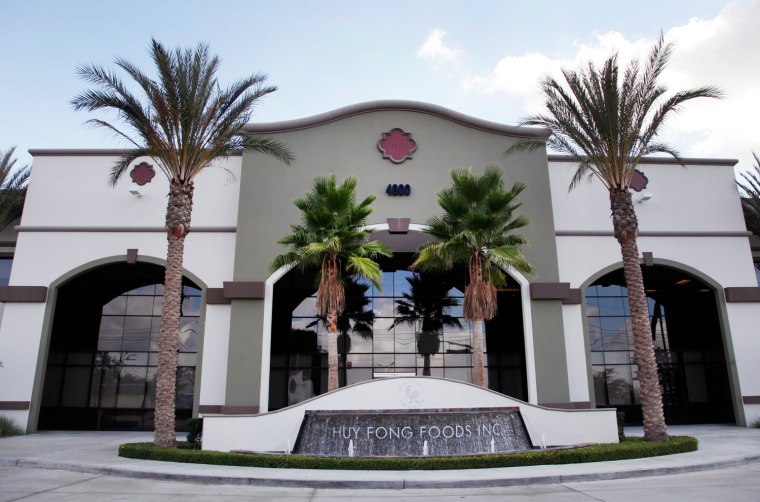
609 124
750 185
477 229
424 308
356 317
332 239
13 183
186 122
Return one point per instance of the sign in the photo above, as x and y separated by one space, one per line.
410 433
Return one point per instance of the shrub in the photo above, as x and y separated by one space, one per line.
621 425
8 427
630 448
195 433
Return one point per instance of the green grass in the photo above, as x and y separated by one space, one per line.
628 449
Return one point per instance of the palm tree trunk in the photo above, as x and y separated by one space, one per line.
332 351
478 354
177 225
426 365
626 230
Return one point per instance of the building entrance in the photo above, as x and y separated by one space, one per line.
413 327
688 344
101 366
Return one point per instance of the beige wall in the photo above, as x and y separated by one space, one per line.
348 146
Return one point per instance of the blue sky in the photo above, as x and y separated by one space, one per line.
478 57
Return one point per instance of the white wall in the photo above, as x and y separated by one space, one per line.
71 191
278 430
692 199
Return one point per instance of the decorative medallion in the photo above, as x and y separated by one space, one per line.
638 181
397 145
142 173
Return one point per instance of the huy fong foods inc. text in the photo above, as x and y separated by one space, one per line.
424 432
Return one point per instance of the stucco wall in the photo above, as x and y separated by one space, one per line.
693 222
348 146
73 221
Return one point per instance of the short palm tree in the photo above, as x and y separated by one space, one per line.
332 239
750 185
425 308
356 317
186 123
610 124
13 183
477 229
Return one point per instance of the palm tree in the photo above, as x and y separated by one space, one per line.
356 318
476 229
332 240
13 183
750 185
424 308
609 125
185 124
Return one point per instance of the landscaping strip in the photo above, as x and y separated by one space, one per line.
628 449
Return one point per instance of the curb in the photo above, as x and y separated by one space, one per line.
302 481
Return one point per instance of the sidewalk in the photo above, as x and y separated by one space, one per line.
96 453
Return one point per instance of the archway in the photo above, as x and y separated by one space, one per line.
688 340
378 343
102 355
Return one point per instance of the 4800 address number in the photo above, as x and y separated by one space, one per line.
397 190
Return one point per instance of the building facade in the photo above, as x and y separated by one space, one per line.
79 330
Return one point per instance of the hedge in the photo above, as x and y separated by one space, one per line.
628 449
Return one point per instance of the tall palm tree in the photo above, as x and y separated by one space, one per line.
332 239
610 124
186 122
477 229
750 185
13 183
424 308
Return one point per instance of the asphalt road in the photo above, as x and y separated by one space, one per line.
30 484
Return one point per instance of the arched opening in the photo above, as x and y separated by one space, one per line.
413 327
688 342
103 352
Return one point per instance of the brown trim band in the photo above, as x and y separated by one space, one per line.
742 294
14 405
573 298
244 290
215 296
92 152
657 160
396 105
549 290
210 408
121 229
575 405
23 294
652 233
751 399
227 410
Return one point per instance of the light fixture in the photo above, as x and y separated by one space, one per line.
645 196
134 189
683 281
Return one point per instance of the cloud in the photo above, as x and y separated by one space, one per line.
718 51
435 51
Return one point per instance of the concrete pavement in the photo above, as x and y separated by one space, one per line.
88 456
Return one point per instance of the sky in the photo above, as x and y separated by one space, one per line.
483 58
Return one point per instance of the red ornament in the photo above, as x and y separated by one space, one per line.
142 173
397 145
639 181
